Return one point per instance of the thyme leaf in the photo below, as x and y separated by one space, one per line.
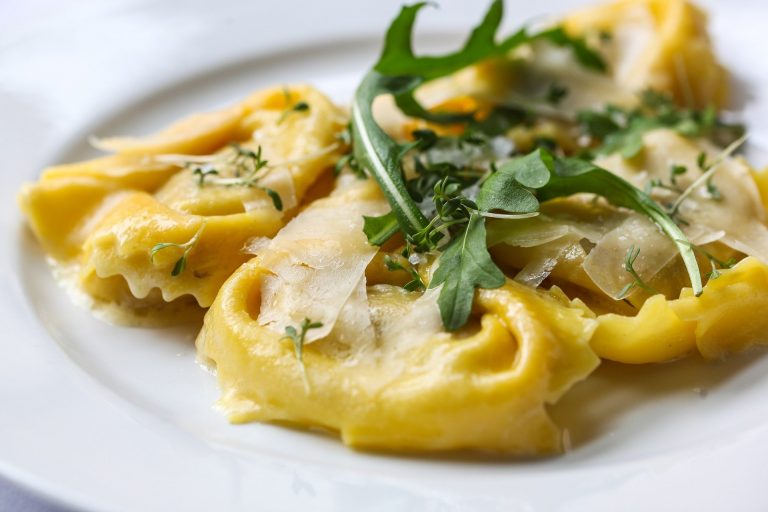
297 336
637 281
186 247
416 283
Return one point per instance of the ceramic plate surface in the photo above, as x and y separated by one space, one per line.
106 418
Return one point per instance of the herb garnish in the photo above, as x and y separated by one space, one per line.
675 171
464 266
416 283
620 130
709 170
716 263
629 267
301 106
444 207
555 93
244 165
181 263
297 336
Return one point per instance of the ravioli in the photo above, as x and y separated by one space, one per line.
657 44
410 386
104 216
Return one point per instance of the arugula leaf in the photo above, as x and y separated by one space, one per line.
397 57
550 178
377 152
464 266
380 229
503 192
531 170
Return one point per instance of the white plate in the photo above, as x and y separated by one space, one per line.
108 418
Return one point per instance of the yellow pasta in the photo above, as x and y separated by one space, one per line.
483 388
106 215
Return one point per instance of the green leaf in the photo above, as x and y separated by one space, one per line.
503 192
629 142
500 120
505 189
409 106
464 266
532 170
276 200
555 93
675 171
586 56
415 283
297 336
380 229
159 247
180 266
399 72
377 152
397 57
597 124
621 130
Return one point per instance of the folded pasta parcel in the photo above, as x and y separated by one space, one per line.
165 218
379 367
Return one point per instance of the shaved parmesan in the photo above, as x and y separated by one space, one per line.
316 263
737 219
605 262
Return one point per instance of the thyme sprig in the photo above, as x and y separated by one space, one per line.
186 247
416 283
292 106
297 337
240 167
706 177
716 263
637 281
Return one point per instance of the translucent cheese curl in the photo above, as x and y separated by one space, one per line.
736 219
317 262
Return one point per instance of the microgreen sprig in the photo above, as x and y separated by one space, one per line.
709 171
297 337
245 165
416 283
637 281
181 263
716 263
